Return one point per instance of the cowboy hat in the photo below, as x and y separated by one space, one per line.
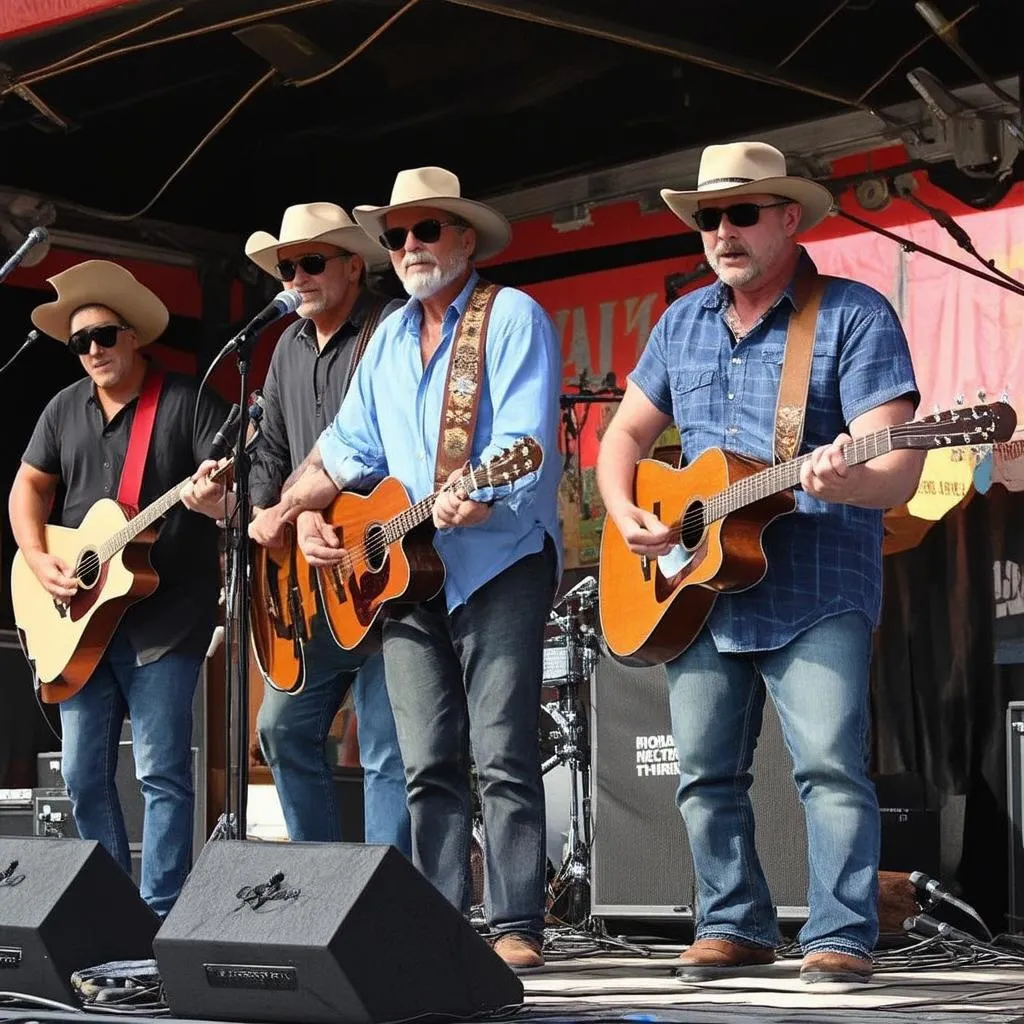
313 222
439 189
749 168
101 283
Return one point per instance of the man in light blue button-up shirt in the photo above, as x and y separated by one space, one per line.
465 669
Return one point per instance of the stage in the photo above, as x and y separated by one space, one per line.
939 983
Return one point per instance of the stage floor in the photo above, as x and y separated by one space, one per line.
633 988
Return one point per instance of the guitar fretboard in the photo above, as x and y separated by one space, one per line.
785 475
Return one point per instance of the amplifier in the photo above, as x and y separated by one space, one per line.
642 866
15 812
1015 806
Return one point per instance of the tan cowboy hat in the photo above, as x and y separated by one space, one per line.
314 222
101 283
437 188
749 168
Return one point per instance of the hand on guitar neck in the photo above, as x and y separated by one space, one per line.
452 507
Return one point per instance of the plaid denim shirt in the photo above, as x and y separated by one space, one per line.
823 559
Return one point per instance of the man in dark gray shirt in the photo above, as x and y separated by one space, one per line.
151 665
323 254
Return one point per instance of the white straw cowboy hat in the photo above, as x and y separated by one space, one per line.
439 189
749 168
314 222
101 283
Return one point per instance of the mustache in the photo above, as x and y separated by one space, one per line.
412 259
731 249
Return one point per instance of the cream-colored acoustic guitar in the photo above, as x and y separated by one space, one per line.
109 553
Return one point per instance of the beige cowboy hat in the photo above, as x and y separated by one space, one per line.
101 283
314 222
437 188
749 168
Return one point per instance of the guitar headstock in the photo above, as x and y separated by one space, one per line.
519 459
965 426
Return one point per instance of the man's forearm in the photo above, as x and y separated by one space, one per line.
616 462
308 489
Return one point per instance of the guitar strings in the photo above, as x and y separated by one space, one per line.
747 487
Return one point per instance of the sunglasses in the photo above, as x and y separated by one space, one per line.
105 335
312 264
423 231
741 215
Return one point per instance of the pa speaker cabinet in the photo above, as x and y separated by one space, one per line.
65 905
642 864
358 935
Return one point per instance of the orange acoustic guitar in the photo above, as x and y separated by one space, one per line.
388 542
284 602
652 609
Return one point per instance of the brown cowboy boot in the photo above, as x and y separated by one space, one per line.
519 950
829 966
718 958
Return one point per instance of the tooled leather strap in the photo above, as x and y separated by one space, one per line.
791 407
463 385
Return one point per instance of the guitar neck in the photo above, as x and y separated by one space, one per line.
398 526
150 514
786 475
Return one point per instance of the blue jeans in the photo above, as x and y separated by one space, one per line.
819 683
472 678
158 699
293 730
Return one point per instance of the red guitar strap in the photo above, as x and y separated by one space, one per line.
138 441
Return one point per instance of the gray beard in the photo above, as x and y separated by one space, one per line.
422 285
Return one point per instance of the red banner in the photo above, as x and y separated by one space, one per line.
18 17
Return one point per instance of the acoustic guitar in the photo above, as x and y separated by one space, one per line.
718 507
388 542
110 555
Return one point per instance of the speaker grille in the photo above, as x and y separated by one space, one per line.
642 865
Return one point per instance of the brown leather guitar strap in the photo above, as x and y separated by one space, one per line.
369 325
463 384
791 406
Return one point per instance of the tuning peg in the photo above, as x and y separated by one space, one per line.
1004 397
981 394
960 399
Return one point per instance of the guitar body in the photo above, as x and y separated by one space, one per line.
281 612
66 642
407 570
652 609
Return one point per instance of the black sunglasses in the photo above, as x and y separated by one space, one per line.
312 264
423 231
741 215
105 335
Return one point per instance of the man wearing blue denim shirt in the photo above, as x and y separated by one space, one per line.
322 254
713 366
464 670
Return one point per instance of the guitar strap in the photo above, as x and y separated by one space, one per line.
370 322
130 486
791 405
464 383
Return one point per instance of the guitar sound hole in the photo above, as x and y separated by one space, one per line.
88 569
376 547
692 525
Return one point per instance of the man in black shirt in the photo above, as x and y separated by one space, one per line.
151 665
322 254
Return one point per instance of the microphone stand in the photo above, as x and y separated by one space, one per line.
236 607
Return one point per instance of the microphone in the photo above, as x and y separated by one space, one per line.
280 306
35 237
32 335
936 892
222 439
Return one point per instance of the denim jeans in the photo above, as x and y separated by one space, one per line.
293 731
158 698
819 684
472 678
